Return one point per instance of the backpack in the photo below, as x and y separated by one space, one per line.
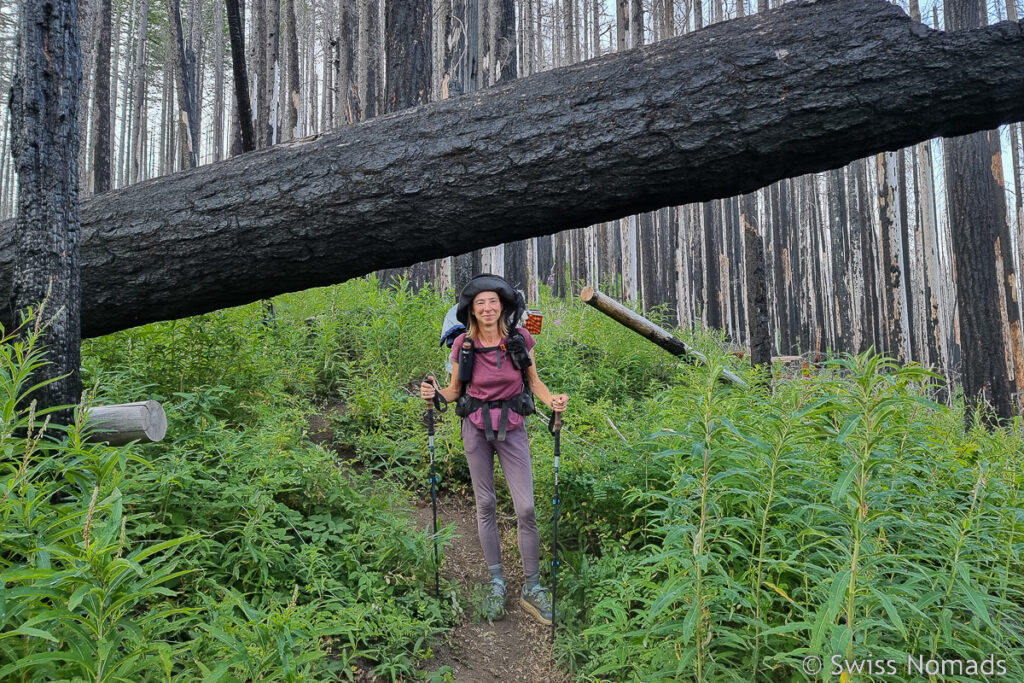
521 403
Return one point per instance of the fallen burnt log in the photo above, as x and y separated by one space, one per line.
651 331
809 86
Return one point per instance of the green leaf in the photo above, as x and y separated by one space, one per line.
667 597
827 613
30 631
839 491
851 424
977 603
787 628
77 596
690 624
891 611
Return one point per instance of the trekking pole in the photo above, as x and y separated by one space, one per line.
442 405
555 427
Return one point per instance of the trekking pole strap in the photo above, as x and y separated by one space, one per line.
440 402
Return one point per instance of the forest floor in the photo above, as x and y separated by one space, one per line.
516 648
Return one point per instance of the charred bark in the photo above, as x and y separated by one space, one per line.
44 103
139 97
841 257
822 83
977 221
506 71
892 281
758 330
712 276
188 122
408 54
292 45
101 103
409 35
974 223
240 78
778 259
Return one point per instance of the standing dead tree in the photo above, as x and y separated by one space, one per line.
45 234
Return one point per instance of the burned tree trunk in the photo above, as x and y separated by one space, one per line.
240 78
408 29
841 265
45 233
650 331
976 221
187 117
892 280
758 331
973 212
138 125
292 47
101 103
505 71
822 83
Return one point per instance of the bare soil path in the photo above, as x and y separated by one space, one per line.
516 649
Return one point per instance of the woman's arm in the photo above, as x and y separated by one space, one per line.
556 402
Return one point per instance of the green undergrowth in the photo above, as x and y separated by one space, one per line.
236 549
846 517
715 532
706 531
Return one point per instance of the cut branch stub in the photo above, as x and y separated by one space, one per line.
117 425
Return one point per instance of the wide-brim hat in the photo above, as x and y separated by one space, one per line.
513 303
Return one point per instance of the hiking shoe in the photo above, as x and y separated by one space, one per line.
494 602
537 603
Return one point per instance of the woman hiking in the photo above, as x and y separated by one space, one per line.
494 379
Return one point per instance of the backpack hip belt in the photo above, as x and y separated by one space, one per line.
521 403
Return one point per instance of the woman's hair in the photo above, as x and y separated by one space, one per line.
472 328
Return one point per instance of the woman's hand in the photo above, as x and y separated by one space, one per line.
559 402
427 389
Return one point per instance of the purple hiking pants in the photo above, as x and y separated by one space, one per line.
514 456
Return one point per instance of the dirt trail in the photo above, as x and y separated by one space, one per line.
516 649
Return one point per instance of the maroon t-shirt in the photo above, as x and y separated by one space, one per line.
491 383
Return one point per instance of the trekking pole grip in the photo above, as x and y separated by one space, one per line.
555 423
439 401
430 411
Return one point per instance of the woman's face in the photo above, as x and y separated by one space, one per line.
487 308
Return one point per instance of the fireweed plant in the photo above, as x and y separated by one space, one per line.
707 532
82 596
847 517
